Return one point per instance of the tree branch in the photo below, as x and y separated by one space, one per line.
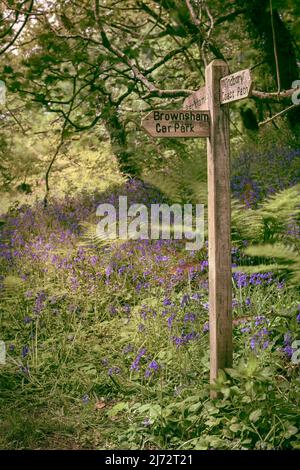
284 111
263 95
27 14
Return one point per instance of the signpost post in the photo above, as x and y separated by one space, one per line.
219 224
205 113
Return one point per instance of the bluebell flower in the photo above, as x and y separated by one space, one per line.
196 296
127 349
114 370
170 320
126 308
151 369
259 320
287 339
246 329
189 317
85 399
253 343
185 300
288 350
27 320
135 365
109 270
25 351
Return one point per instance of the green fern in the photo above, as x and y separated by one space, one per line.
11 287
288 260
270 222
266 228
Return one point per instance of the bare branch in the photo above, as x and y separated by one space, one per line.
27 14
275 47
284 111
193 16
263 95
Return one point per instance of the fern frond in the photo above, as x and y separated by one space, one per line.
287 259
12 286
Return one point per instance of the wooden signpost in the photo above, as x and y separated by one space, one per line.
197 100
236 86
205 113
232 88
177 123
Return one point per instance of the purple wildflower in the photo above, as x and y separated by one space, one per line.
189 317
85 399
259 320
109 270
170 321
27 320
204 265
135 365
196 296
151 369
39 302
127 349
185 300
112 310
288 350
287 339
25 351
246 329
114 370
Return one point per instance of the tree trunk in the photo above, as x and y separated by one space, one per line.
119 145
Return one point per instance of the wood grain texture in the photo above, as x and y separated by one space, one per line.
236 86
219 222
197 100
177 123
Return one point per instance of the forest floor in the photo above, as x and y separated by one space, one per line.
107 344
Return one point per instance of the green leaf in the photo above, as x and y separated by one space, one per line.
117 408
290 431
255 415
235 427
